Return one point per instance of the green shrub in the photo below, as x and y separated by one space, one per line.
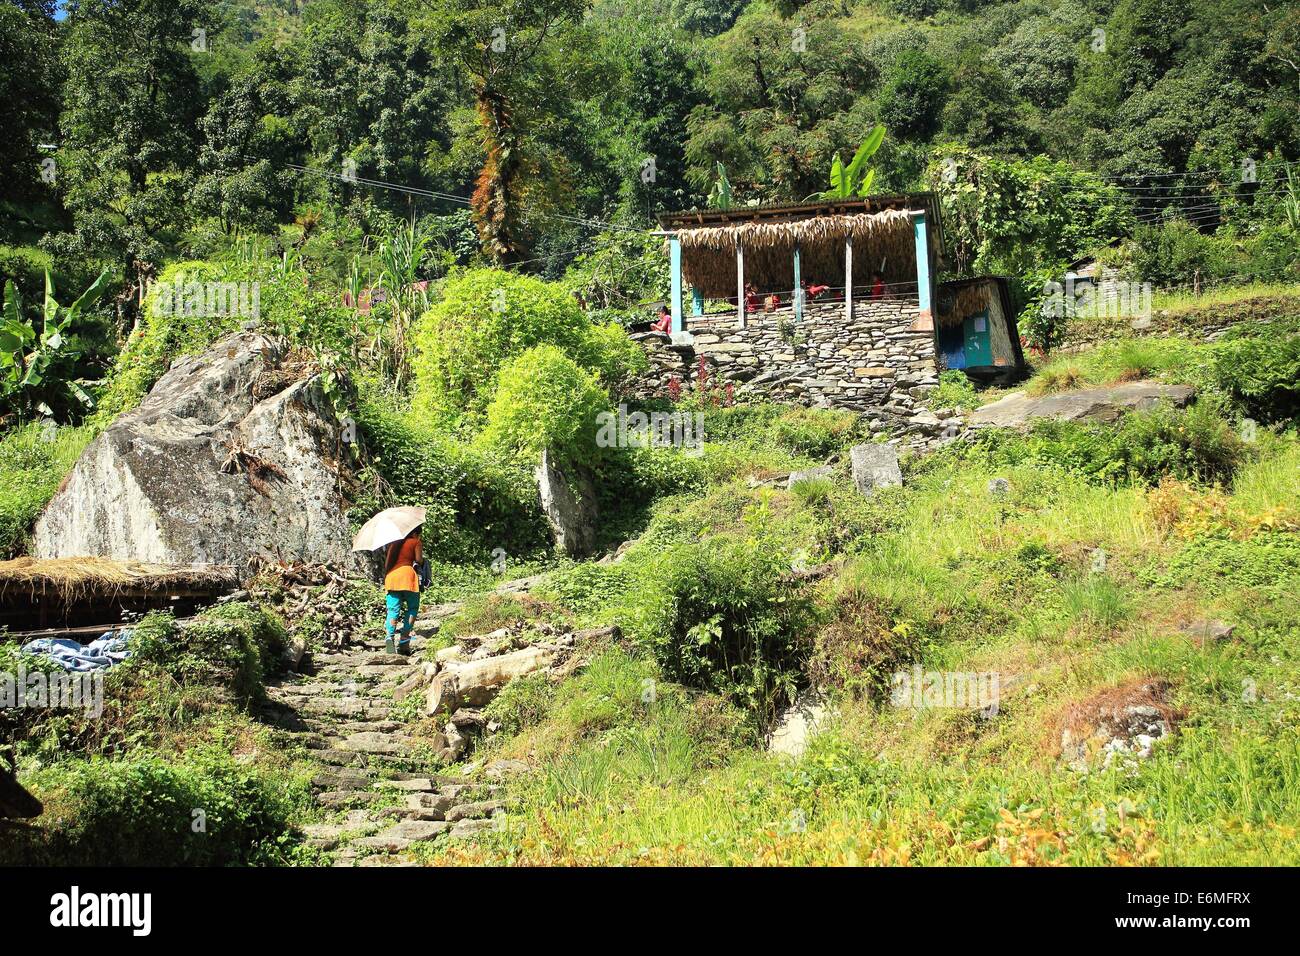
1174 253
204 810
955 390
26 267
488 316
1261 373
1196 443
722 615
522 703
474 503
231 646
1269 562
543 399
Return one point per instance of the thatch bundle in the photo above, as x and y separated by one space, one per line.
882 242
77 579
964 301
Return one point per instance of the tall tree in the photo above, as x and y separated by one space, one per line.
29 85
128 131
497 43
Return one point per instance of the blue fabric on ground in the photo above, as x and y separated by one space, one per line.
112 647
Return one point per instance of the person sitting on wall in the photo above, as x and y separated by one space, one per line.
751 297
877 286
772 302
814 291
664 323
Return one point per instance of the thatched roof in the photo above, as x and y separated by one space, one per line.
78 579
882 241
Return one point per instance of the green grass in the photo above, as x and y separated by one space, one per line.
960 580
33 462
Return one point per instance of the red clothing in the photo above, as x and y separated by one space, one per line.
665 324
815 290
399 570
878 289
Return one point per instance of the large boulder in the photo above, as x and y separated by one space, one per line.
235 455
568 499
1092 404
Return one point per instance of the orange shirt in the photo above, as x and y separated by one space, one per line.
402 556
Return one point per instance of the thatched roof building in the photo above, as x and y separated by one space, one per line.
841 244
36 592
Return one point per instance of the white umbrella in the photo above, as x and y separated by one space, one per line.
391 524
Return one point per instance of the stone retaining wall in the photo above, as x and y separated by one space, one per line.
875 364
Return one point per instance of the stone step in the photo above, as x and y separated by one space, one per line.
343 707
346 798
403 834
369 742
414 784
340 758
351 780
469 828
380 659
382 670
433 805
475 811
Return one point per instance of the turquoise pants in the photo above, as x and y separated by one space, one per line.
404 605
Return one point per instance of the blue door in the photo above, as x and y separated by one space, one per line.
975 333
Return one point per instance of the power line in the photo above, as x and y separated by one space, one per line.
450 197
1197 173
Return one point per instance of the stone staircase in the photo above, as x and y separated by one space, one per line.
373 775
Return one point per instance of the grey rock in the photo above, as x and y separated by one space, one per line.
150 486
809 474
1203 630
1092 404
498 769
874 466
569 502
474 811
469 828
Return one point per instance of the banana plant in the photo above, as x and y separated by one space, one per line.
854 179
401 256
1291 200
25 354
720 195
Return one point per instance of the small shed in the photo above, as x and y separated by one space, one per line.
976 329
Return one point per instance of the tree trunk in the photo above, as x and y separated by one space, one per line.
495 199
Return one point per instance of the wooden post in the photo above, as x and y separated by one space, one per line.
797 295
740 285
675 264
848 279
922 238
